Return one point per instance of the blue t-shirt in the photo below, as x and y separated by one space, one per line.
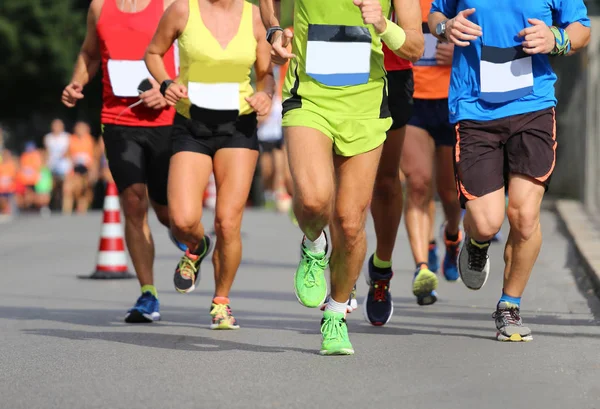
493 78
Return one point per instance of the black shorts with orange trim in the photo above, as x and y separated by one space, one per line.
486 152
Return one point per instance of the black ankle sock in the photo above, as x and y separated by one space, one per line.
422 264
201 248
452 237
433 242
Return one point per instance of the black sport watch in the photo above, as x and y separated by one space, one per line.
163 87
272 31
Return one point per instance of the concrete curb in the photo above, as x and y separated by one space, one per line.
584 231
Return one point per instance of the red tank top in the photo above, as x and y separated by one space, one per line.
123 39
391 61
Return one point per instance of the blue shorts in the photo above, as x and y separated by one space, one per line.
432 116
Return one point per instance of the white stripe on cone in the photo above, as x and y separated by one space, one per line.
112 203
112 259
112 231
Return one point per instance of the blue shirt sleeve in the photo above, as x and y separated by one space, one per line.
446 7
565 12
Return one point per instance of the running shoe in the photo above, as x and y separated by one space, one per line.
425 283
352 303
176 242
310 286
450 266
509 323
334 333
433 259
222 317
146 309
187 273
474 263
378 306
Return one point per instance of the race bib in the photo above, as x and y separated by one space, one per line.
219 96
125 77
428 58
506 74
338 56
81 159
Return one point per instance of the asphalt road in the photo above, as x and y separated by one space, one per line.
63 342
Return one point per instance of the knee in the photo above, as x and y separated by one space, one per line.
387 186
486 224
524 221
351 225
448 195
315 204
227 227
419 188
135 205
183 225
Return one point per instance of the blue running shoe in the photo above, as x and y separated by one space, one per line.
450 266
433 259
177 243
378 306
145 310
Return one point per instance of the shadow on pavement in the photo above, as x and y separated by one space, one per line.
164 341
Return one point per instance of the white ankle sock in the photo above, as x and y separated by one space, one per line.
335 306
317 246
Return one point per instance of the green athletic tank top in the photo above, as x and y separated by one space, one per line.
339 65
44 183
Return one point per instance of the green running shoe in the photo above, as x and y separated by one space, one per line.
335 334
309 281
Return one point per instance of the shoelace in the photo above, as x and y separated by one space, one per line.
187 267
332 329
310 279
220 311
477 257
510 316
381 287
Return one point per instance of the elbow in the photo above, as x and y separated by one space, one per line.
587 38
416 52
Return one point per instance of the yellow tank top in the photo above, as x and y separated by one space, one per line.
216 78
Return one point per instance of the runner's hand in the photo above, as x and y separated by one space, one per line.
174 93
459 30
260 103
153 98
71 94
444 53
280 51
537 39
372 14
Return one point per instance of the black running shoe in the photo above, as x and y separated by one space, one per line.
378 306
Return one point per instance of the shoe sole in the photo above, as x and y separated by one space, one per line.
487 273
343 351
424 284
222 327
514 338
427 300
136 317
211 247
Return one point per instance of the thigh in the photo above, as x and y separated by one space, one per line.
125 156
531 151
400 99
234 169
479 158
157 154
310 159
188 178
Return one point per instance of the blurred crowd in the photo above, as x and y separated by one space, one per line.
61 175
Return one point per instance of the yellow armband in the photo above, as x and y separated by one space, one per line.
393 36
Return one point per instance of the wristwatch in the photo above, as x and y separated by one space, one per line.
163 87
440 29
272 31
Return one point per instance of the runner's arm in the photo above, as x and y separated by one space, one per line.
411 22
265 81
89 59
579 35
267 14
169 29
434 19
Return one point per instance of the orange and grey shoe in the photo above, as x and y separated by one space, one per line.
187 273
222 318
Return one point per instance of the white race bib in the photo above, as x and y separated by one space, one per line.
219 97
506 74
125 77
338 55
81 158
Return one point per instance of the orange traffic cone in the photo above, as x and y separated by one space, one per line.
112 260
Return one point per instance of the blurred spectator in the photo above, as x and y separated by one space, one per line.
77 187
30 165
8 175
57 148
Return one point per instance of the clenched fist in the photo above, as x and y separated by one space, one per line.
372 14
